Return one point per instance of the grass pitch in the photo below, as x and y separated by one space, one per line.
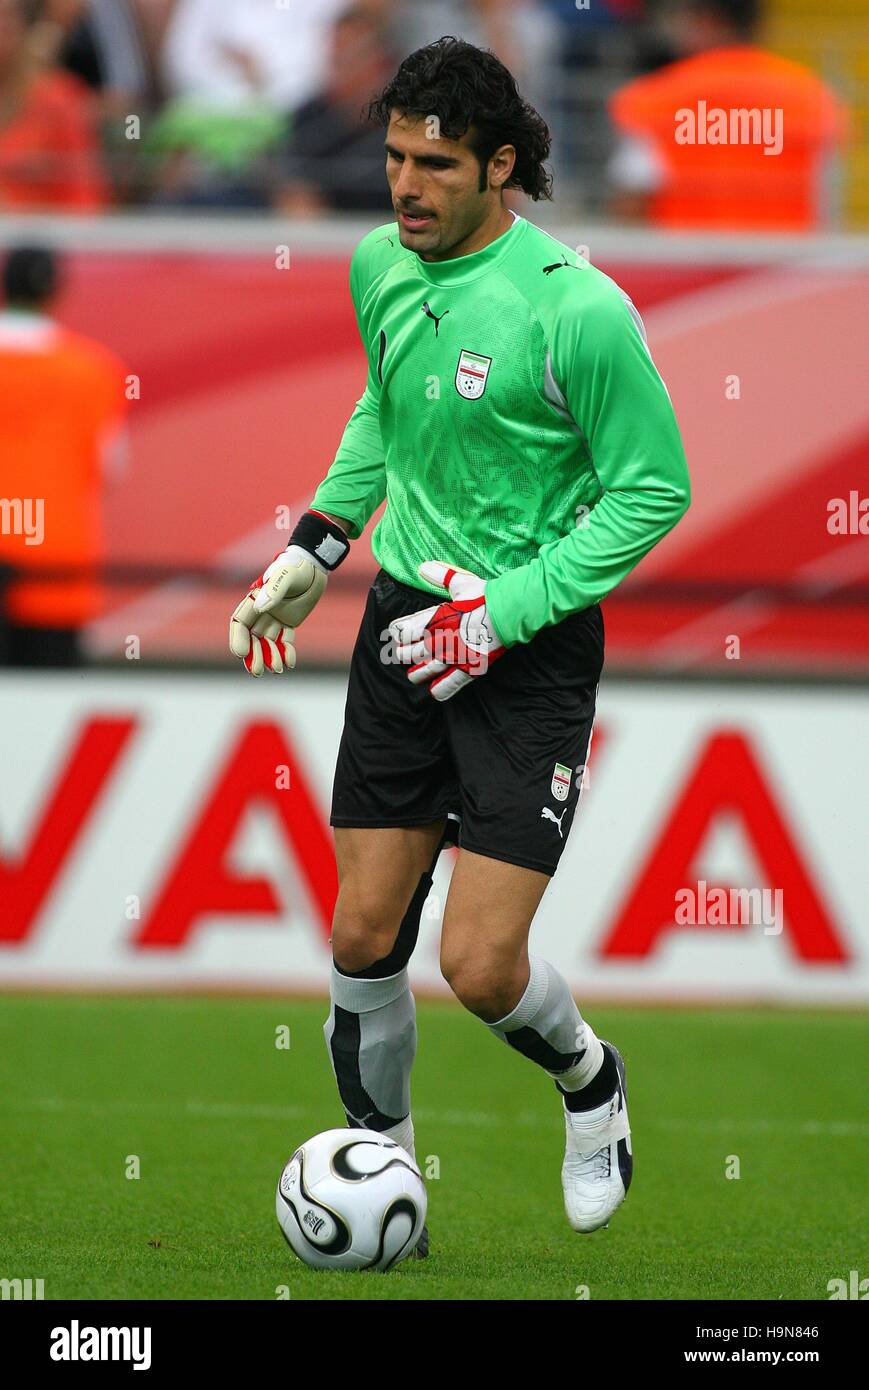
197 1091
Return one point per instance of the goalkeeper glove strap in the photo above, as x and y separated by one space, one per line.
322 539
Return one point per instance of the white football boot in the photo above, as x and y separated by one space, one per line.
598 1162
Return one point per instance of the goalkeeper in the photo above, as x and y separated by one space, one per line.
529 456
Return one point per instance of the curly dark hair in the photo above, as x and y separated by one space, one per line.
469 89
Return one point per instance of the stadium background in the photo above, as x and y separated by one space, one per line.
143 842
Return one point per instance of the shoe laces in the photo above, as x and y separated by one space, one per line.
599 1165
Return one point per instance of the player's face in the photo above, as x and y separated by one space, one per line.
435 186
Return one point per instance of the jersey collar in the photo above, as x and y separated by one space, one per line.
460 269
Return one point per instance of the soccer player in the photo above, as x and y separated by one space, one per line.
529 456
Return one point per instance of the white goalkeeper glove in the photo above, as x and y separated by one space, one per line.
262 628
453 642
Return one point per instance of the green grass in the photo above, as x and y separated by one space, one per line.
198 1091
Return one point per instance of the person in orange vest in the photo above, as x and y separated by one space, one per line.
730 136
62 402
50 155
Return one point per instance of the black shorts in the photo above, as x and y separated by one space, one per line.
505 755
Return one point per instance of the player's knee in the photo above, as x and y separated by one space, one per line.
478 985
363 932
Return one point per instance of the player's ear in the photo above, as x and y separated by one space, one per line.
501 165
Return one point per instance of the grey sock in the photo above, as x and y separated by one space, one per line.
371 1037
547 1027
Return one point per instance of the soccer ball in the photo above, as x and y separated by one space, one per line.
351 1199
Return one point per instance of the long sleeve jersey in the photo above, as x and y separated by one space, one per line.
514 421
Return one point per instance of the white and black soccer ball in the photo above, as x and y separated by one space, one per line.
351 1199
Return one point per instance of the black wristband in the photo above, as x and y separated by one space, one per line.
321 537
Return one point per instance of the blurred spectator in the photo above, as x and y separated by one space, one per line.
729 136
335 159
521 32
599 47
110 45
235 69
105 46
62 403
49 147
582 25
227 52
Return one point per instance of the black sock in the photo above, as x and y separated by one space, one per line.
598 1090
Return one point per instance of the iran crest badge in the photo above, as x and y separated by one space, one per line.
560 782
471 374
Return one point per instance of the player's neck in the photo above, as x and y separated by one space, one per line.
490 229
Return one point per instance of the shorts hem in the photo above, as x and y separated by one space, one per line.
506 858
385 823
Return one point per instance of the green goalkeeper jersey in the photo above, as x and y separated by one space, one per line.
514 421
